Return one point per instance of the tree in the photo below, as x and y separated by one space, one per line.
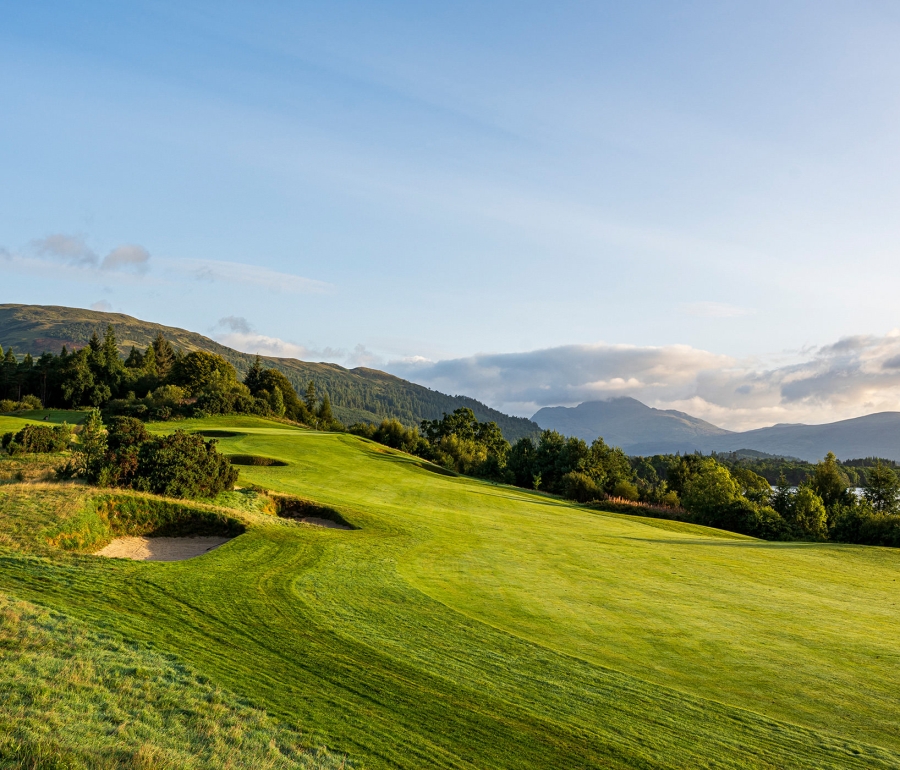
253 380
135 359
753 486
91 454
197 369
709 489
164 355
808 514
311 399
882 489
324 414
783 498
830 483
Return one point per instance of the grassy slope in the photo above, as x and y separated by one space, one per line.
76 699
470 625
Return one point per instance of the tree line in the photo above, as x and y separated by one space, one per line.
194 384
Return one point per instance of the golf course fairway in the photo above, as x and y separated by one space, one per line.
464 624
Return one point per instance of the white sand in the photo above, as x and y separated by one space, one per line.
323 522
160 548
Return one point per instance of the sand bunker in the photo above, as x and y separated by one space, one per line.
317 522
160 548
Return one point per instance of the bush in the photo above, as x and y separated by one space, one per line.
580 487
38 439
27 403
862 525
183 465
625 490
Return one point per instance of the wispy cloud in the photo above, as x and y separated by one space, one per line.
245 274
853 376
103 306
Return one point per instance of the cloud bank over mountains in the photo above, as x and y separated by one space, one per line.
854 376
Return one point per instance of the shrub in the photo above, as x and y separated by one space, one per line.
626 490
183 465
38 439
580 487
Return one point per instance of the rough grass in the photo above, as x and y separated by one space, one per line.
471 625
75 699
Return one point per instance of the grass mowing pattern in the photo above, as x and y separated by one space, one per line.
77 700
472 625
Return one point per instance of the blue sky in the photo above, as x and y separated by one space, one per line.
430 188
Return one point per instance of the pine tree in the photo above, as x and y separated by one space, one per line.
149 362
165 356
135 359
253 380
324 414
311 397
782 499
111 350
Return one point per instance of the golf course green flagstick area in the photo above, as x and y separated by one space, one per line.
458 624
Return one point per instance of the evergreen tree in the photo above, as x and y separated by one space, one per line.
324 414
782 499
165 356
311 397
149 362
254 378
111 350
135 359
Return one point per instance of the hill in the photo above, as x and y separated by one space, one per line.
642 430
357 395
467 624
625 422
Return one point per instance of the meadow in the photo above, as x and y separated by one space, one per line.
470 625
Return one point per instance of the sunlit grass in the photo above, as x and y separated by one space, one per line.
466 624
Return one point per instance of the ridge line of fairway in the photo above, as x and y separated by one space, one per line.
838 739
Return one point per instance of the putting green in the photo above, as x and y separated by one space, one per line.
467 624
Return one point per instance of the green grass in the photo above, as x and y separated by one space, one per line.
466 624
77 699
15 421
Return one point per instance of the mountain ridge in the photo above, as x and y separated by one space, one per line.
873 435
357 395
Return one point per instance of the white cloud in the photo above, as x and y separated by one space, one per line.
854 376
102 305
240 273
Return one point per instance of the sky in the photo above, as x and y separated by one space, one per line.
691 203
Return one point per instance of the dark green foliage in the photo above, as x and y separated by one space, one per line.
882 489
33 439
183 465
265 383
580 487
393 434
197 370
547 465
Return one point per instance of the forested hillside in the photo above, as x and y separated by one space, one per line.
357 395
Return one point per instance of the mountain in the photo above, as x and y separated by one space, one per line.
642 430
625 422
357 395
